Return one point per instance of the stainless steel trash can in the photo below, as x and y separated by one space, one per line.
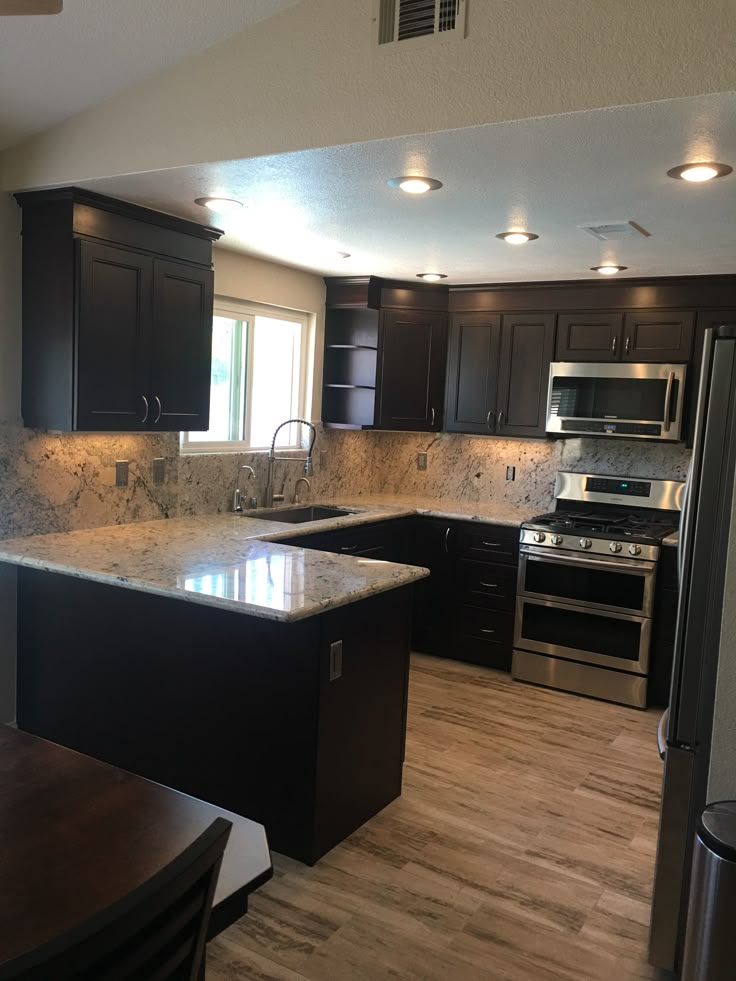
710 939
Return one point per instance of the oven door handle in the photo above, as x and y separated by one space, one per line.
644 568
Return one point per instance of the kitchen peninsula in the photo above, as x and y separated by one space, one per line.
268 679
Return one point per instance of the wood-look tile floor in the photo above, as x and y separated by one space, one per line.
522 849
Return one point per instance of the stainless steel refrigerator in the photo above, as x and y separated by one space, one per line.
698 732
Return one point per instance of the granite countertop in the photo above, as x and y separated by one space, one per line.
236 562
215 560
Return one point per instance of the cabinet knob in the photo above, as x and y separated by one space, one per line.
614 344
160 408
627 347
432 422
145 414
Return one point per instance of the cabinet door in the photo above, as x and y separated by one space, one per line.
527 346
114 309
432 546
413 349
589 337
472 373
659 336
181 347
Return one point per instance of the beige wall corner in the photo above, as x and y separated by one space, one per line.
312 76
246 277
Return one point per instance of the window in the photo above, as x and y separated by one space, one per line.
259 378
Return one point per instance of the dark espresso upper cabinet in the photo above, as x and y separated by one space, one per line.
385 355
498 372
117 315
472 373
412 370
589 337
659 335
527 348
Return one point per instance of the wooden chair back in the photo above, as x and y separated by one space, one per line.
155 933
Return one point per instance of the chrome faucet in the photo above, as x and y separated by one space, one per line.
238 494
272 498
301 480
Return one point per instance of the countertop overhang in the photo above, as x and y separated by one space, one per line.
236 563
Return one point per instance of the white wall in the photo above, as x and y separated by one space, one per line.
312 76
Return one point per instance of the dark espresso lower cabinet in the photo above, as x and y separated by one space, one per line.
243 712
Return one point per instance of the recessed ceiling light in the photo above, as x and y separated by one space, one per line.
343 255
431 277
415 184
517 238
698 173
608 269
221 205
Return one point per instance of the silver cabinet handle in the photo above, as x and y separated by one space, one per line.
500 419
348 548
432 422
160 408
489 585
668 401
489 419
485 630
447 539
145 414
491 544
627 346
614 344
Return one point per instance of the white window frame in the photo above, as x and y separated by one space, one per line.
246 312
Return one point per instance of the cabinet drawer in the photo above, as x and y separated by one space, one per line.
487 584
483 637
489 543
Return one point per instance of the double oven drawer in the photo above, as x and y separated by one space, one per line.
594 582
592 609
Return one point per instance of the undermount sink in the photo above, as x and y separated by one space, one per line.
298 515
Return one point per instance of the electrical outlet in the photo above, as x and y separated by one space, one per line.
323 457
510 473
421 461
159 470
121 473
335 660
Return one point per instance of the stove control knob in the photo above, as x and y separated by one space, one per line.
585 543
556 539
539 536
615 547
634 549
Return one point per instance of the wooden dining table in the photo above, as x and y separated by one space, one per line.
77 834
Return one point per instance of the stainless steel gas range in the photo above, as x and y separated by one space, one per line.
585 596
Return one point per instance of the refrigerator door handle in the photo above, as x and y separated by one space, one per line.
662 733
684 522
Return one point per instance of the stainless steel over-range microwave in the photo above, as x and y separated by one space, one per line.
636 401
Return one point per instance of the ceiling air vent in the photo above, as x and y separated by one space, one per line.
407 20
612 230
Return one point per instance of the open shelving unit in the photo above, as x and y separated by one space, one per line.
350 368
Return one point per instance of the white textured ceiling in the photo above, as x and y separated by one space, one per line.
53 67
548 175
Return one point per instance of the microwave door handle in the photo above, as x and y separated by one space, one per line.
668 401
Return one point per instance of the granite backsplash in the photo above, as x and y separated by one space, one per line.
64 481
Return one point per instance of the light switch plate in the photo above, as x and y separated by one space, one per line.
335 660
159 470
421 461
121 473
510 473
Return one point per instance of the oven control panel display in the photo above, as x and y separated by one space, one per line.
625 488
